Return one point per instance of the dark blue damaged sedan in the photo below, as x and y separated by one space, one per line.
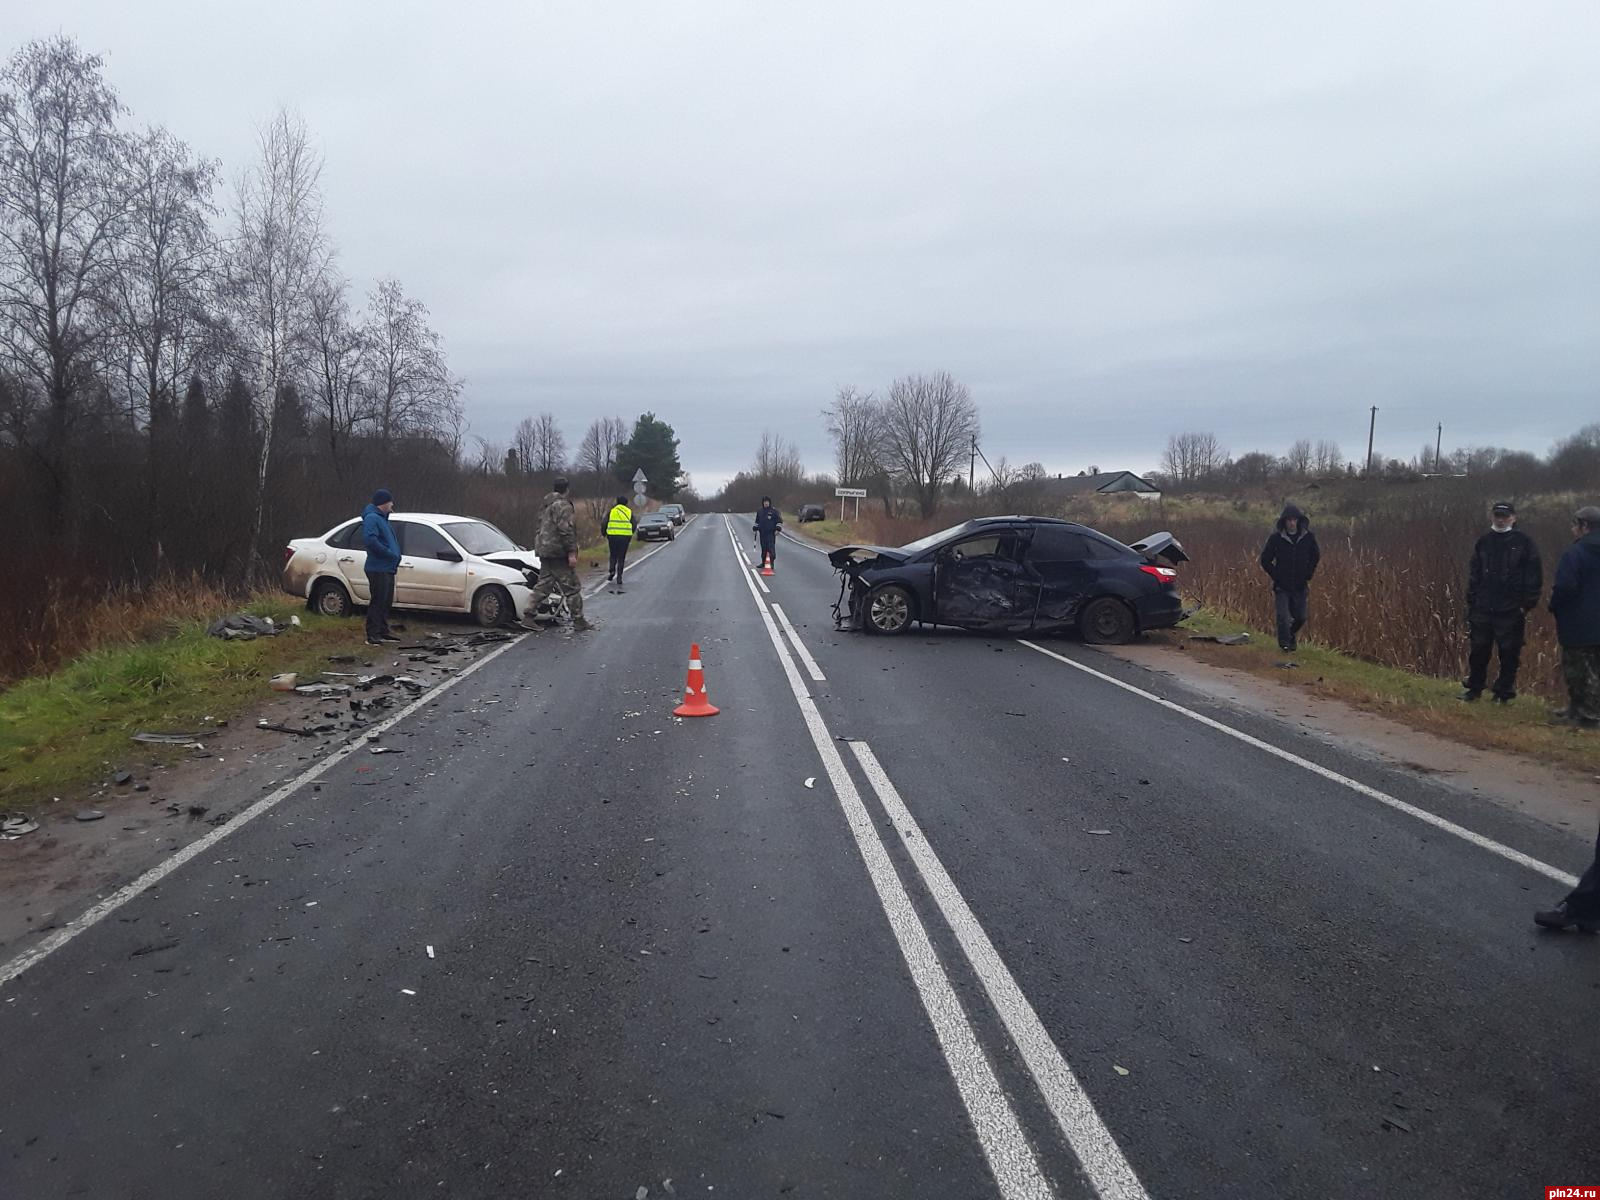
1013 575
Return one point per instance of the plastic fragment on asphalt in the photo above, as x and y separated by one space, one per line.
386 750
1099 832
312 903
15 825
91 814
1396 1123
407 992
641 1194
1119 1070
811 781
430 951
1185 940
168 739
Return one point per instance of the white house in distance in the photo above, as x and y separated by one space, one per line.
1102 483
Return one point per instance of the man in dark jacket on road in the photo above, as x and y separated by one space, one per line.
1290 559
557 548
1575 600
768 521
1503 585
383 560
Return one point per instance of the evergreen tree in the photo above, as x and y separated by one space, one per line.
654 449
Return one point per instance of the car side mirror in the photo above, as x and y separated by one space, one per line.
447 556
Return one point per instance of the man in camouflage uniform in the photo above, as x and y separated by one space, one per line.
557 548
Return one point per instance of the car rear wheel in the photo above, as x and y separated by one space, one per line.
491 606
1107 622
329 599
889 610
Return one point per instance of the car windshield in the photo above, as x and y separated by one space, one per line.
480 537
932 540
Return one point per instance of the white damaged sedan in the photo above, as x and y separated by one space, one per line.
447 564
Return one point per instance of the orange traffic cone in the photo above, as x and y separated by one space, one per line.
766 565
695 703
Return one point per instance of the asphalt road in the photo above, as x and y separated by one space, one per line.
957 919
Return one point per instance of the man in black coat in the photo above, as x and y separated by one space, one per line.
1503 586
1290 559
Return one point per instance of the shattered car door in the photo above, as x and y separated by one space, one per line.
1062 558
983 581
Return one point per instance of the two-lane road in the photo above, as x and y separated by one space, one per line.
934 916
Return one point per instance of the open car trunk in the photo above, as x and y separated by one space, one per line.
1159 546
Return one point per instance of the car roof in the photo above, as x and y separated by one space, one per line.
652 516
435 518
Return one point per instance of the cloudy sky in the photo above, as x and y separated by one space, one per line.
1111 221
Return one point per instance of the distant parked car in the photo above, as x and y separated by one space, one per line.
675 511
657 527
447 564
812 512
1017 575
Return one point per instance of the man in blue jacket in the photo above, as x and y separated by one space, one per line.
383 560
768 521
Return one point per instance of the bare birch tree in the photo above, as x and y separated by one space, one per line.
277 260
778 461
1192 456
63 193
338 367
855 423
929 422
413 392
597 453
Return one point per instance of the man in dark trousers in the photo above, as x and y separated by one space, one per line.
556 544
383 560
1575 600
1503 586
1290 559
620 524
768 521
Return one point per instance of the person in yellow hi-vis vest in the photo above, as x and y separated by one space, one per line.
620 523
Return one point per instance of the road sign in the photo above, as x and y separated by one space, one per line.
638 476
857 493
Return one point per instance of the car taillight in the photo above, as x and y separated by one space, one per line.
288 553
1165 574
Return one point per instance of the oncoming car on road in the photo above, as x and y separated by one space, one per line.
447 564
656 526
1014 575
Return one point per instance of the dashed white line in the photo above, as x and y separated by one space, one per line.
1355 785
1005 1146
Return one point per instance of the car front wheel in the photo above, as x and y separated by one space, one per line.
329 599
1107 622
889 610
491 606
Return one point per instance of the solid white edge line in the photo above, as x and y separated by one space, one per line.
1394 802
1102 1159
751 569
99 912
794 636
1005 1146
799 542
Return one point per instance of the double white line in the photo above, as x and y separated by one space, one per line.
1006 1147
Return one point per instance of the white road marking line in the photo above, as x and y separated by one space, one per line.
805 655
160 871
750 569
1421 814
1102 1159
1005 1146
599 586
798 542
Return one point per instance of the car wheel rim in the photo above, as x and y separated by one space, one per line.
889 612
491 608
1108 622
331 605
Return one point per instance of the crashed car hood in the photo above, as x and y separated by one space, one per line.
863 554
520 560
1160 545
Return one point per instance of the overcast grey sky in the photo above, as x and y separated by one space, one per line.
1111 221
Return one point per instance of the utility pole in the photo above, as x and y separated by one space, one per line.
972 462
1438 450
1371 430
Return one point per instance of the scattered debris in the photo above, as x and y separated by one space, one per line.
1120 1070
154 948
1396 1123
1099 832
341 658
91 814
1288 666
322 689
407 992
14 825
1224 639
198 810
169 739
811 781
410 684
386 750
430 951
279 727
122 778
283 683
244 627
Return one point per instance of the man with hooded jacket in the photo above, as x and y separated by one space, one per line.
1503 584
768 521
1290 559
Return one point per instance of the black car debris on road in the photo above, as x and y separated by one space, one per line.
1013 574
